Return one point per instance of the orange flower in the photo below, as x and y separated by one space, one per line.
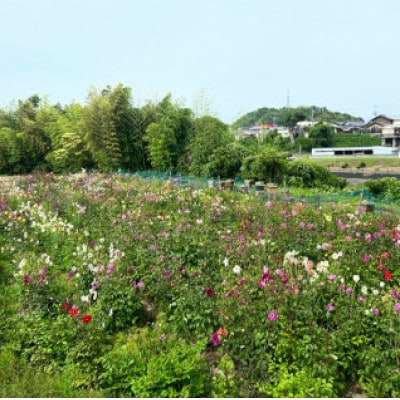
222 332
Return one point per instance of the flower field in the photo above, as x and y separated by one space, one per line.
127 287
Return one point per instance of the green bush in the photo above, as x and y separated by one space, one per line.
362 164
152 363
386 187
298 384
269 166
308 175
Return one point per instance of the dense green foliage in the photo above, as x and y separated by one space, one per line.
388 187
322 135
278 116
117 286
268 165
306 175
355 140
108 134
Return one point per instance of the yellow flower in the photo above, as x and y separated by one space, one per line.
328 217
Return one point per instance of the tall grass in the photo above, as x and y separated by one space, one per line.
20 380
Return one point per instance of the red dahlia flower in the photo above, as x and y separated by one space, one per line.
86 318
73 311
387 275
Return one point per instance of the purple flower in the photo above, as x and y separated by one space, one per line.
273 315
332 277
95 285
110 269
341 287
27 279
167 274
43 271
330 307
362 299
285 280
375 311
397 307
215 339
366 257
70 275
209 292
394 294
262 283
349 291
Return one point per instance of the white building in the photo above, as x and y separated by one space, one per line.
354 151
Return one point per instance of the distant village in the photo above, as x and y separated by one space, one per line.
388 129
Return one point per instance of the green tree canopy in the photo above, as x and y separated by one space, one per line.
169 137
209 135
266 115
321 135
269 165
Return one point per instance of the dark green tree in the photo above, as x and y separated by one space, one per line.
122 113
168 138
321 135
100 132
226 161
31 123
210 134
141 119
269 165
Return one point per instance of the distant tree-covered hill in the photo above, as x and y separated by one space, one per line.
276 116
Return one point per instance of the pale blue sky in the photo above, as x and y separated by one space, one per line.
243 54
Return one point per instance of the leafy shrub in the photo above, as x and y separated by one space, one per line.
388 187
224 378
226 161
151 363
120 305
307 175
269 166
362 164
298 384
